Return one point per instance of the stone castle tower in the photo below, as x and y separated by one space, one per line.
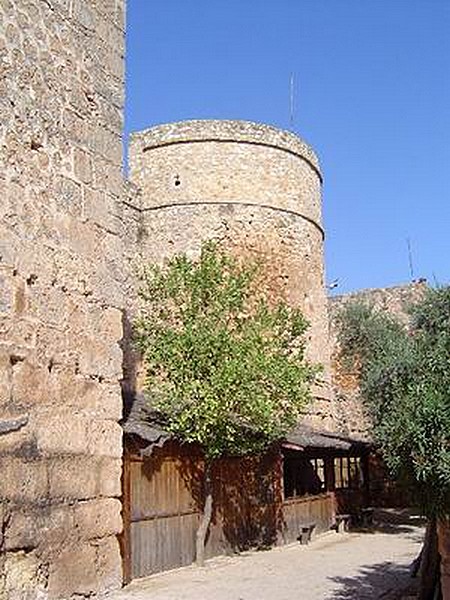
257 190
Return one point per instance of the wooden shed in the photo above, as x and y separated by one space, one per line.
259 501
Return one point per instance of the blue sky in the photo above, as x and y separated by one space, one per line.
372 81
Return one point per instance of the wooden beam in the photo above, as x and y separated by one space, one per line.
125 536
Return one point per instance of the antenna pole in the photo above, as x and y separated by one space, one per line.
411 269
291 102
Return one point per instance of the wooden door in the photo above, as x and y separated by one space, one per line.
163 513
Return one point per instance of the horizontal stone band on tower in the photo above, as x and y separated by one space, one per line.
205 202
226 131
255 164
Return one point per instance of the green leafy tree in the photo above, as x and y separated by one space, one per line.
404 372
224 368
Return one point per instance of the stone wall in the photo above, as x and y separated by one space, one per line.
62 292
255 189
392 300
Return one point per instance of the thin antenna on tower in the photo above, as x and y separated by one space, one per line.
291 102
410 260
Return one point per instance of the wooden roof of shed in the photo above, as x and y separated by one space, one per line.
144 422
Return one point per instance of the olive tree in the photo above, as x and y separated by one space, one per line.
404 372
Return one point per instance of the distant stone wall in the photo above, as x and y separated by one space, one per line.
392 300
62 292
254 188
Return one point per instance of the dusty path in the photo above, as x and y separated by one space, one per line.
355 566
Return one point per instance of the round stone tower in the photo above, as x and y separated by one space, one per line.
257 190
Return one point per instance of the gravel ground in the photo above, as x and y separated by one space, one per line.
347 566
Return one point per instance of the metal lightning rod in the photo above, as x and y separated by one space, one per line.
410 260
291 103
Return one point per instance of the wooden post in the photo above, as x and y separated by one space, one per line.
125 536
329 473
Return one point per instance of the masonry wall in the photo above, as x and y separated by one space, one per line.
62 292
254 188
393 300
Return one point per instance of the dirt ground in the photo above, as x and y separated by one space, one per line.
346 566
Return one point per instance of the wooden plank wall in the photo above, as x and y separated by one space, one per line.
307 509
165 499
164 491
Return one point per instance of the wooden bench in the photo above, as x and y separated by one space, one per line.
306 533
342 523
367 516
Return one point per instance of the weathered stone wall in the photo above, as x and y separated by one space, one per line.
392 300
254 188
62 291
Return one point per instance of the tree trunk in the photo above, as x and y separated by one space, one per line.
429 564
206 518
444 551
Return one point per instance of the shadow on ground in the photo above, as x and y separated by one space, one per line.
395 521
387 528
386 580
383 581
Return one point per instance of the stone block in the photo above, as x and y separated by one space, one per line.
101 209
23 578
109 477
100 174
23 480
109 564
74 571
51 528
68 196
84 477
95 208
79 238
120 15
21 532
105 439
99 400
111 324
98 518
52 345
5 377
112 144
84 14
82 165
30 384
115 182
99 359
6 293
15 442
73 478
61 434
9 246
73 126
18 333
